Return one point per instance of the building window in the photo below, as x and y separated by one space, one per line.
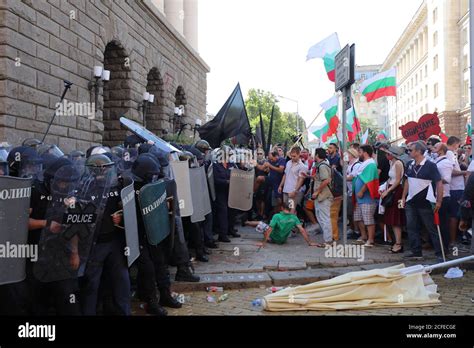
416 80
464 37
435 90
426 108
421 75
426 70
421 94
435 63
465 62
417 97
466 91
362 76
426 91
421 111
435 15
435 39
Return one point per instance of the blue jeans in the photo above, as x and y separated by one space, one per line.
416 219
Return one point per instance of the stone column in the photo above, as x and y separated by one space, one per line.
160 5
175 14
191 22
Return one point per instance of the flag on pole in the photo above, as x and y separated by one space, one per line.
330 112
353 125
365 137
320 132
327 50
382 135
444 137
469 134
381 85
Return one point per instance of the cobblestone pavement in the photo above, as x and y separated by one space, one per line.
455 300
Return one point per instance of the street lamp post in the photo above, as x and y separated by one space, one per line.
297 111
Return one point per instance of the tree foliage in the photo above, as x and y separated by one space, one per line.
284 123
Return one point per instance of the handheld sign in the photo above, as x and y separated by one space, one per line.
427 125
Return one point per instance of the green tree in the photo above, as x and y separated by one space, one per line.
373 129
284 123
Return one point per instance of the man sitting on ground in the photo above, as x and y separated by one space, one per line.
280 227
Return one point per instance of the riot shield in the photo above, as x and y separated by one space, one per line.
200 194
146 135
74 212
210 182
15 196
181 176
130 221
241 189
154 209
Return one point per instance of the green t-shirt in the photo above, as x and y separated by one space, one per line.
282 224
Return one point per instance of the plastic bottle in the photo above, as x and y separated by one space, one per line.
223 297
210 299
257 302
215 289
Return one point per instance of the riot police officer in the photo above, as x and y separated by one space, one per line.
107 255
152 262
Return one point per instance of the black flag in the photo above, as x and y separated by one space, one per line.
262 130
270 131
231 120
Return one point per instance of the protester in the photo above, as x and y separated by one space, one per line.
352 167
276 166
335 162
456 189
423 180
293 179
394 216
445 167
322 195
366 187
280 227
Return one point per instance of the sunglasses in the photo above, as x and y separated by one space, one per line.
409 150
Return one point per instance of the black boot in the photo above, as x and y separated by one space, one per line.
167 300
154 308
185 273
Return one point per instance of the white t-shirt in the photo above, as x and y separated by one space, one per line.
445 167
471 167
457 182
352 171
293 171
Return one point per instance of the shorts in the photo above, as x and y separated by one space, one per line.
454 203
365 213
262 227
298 199
275 197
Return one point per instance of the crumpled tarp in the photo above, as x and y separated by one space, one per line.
377 288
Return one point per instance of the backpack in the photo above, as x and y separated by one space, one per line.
337 182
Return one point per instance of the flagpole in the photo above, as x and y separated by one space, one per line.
308 127
471 38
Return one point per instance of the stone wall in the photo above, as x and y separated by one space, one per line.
43 42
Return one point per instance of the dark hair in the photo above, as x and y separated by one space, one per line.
432 141
286 205
335 145
367 148
275 153
453 140
321 153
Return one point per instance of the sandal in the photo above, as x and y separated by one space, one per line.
360 241
398 251
369 245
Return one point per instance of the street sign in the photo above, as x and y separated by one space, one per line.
344 62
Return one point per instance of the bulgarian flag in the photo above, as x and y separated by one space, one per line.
327 50
444 137
365 137
321 132
381 85
382 135
353 124
330 112
368 173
